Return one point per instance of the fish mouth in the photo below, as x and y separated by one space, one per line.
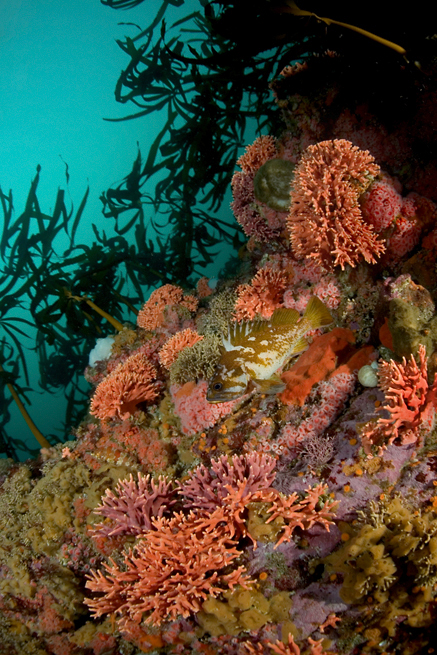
221 397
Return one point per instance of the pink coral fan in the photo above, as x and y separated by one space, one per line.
129 384
206 488
174 568
195 412
262 296
410 401
170 351
325 221
130 509
152 314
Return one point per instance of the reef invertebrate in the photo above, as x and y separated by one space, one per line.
130 508
193 409
207 488
152 314
390 559
129 384
325 221
262 296
410 400
170 572
178 342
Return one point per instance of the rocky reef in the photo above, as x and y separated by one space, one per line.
299 521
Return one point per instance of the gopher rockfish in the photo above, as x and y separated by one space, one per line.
254 351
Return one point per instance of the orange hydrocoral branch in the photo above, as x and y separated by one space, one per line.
410 400
36 433
178 342
130 383
262 296
171 571
325 220
257 153
301 513
292 8
152 314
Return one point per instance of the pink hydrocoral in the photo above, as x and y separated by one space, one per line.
170 571
262 296
246 212
130 383
206 488
130 509
195 412
263 224
152 314
325 220
410 400
170 350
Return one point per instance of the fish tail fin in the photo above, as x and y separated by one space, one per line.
317 313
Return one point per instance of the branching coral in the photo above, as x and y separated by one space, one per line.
152 315
130 383
262 296
177 562
207 488
410 401
176 566
325 220
178 342
133 505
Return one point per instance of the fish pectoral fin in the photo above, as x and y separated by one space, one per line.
272 385
299 346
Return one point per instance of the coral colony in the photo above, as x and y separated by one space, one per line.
297 512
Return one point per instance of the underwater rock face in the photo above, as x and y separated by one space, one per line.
301 521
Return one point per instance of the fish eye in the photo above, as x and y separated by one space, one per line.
217 386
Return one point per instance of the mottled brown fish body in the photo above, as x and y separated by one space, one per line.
254 351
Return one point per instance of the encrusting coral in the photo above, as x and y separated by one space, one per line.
299 516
